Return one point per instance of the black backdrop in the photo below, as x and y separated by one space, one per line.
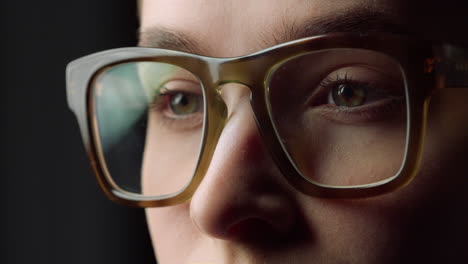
52 210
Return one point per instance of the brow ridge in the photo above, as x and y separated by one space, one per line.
164 38
351 21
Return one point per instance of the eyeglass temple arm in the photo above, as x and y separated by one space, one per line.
450 66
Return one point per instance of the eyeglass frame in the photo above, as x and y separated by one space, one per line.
419 60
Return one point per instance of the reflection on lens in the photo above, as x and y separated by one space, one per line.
149 119
341 115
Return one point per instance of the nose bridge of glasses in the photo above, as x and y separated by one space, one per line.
238 71
234 94
237 79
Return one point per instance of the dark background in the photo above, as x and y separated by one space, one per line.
52 210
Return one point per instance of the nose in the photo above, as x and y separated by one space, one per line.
243 192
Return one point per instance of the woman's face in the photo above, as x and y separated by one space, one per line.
245 211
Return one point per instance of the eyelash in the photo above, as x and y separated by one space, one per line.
332 82
368 112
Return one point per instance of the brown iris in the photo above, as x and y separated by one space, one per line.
349 94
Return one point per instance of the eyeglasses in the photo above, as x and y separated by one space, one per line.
343 115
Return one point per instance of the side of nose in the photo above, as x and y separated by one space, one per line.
243 191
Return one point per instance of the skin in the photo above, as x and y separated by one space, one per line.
245 211
172 139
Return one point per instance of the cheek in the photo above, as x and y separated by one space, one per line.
358 231
172 232
169 159
446 143
177 240
349 155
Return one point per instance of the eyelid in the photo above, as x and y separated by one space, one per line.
173 85
351 70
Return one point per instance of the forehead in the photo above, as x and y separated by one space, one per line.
238 27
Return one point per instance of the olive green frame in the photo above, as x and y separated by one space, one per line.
416 58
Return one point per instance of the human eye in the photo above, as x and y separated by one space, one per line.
359 94
178 105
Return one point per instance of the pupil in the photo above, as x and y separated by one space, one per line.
349 95
180 99
183 104
345 91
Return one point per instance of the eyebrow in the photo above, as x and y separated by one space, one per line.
159 37
351 21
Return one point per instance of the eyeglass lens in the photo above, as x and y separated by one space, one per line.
340 114
150 122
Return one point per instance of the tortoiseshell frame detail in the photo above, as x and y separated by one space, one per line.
418 60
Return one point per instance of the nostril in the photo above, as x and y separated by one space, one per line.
259 233
253 229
